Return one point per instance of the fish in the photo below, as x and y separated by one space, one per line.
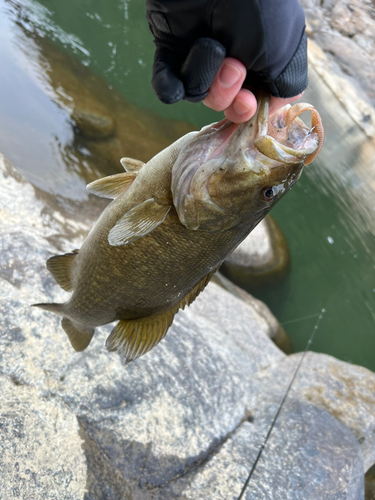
173 221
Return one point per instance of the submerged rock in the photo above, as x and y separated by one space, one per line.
261 259
93 125
184 421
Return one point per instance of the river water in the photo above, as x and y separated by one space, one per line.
328 218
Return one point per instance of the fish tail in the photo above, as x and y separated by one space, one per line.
52 307
79 337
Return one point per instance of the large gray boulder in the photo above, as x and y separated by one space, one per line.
184 421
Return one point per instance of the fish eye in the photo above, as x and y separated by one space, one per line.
269 193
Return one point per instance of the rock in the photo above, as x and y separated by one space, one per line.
40 446
345 391
174 423
262 258
345 34
306 452
93 125
274 330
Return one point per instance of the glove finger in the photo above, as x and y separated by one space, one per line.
166 85
200 67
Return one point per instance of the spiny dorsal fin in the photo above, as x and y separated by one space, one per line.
139 221
133 338
112 185
131 165
60 268
79 339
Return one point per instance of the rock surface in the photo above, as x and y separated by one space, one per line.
189 417
40 446
343 52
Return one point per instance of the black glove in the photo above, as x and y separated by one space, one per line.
192 37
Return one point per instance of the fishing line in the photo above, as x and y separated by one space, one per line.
281 405
299 319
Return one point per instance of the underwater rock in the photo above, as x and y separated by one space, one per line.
93 125
262 258
186 418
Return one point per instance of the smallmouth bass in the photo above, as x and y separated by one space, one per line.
173 221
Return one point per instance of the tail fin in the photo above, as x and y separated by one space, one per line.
79 337
55 308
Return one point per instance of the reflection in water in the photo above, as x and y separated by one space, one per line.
61 125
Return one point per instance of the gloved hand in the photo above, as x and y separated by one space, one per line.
192 37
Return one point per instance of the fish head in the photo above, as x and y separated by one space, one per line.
230 174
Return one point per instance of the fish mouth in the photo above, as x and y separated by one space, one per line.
282 137
285 137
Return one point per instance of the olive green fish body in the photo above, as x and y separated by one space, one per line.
171 224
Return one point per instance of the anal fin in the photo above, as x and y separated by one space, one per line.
60 267
79 339
193 294
133 338
112 185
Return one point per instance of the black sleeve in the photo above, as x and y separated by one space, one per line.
268 36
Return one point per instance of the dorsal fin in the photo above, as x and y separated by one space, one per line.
137 222
133 338
60 268
131 165
112 185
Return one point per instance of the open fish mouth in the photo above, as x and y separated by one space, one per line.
286 138
282 137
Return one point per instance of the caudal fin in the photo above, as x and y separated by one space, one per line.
55 308
78 337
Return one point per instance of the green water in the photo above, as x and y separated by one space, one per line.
328 218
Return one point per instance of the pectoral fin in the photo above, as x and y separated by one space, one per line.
79 338
112 185
60 267
138 222
131 165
